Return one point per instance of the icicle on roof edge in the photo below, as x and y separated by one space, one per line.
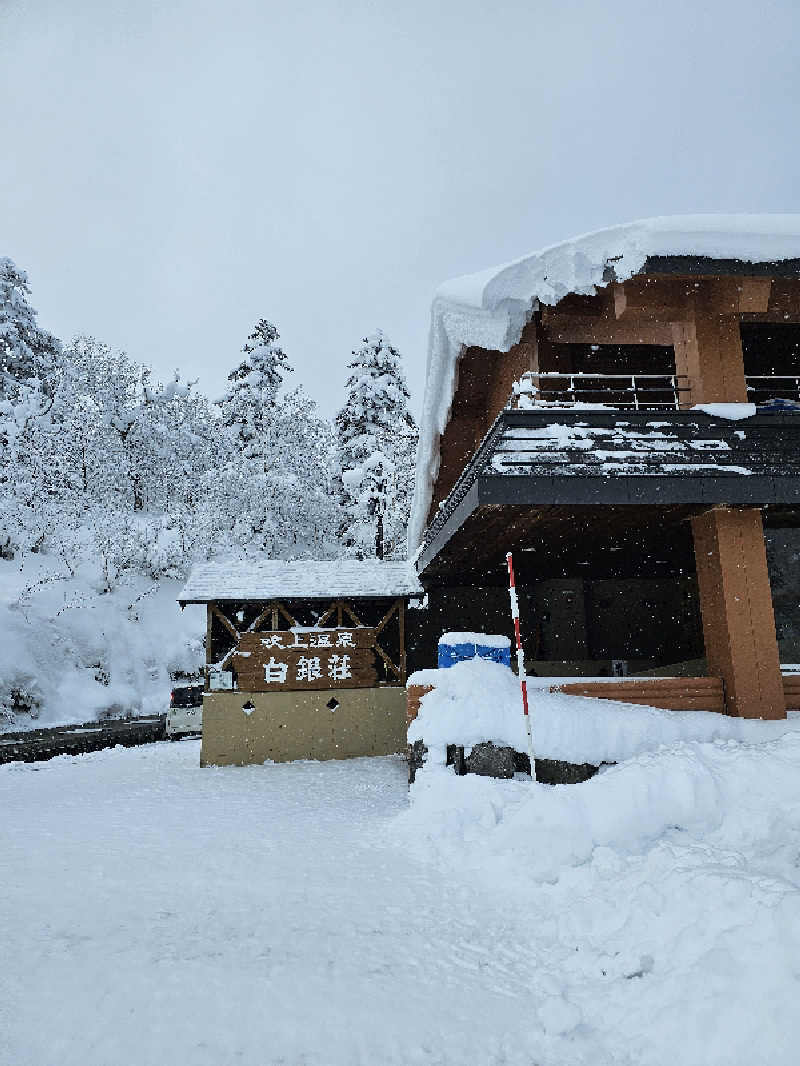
491 308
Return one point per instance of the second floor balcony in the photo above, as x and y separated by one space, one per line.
642 450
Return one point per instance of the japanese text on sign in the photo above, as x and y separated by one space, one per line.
306 658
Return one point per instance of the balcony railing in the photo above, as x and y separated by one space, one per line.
640 392
781 391
636 392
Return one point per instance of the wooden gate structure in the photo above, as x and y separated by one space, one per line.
303 659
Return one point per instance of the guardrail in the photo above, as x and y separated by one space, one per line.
38 745
636 392
762 389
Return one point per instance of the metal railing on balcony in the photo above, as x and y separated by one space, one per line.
636 392
780 391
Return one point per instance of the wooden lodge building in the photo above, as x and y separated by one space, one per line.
623 413
304 660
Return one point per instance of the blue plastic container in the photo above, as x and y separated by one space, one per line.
456 647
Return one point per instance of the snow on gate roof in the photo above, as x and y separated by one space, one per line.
490 309
303 579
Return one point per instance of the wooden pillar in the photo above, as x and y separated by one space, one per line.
736 604
401 625
708 345
209 647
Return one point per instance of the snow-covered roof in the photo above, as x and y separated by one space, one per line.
304 579
490 309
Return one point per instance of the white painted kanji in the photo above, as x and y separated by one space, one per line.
339 667
321 640
345 640
275 672
274 641
308 669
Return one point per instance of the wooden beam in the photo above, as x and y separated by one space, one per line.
348 610
395 669
285 614
754 294
652 299
268 610
387 617
225 622
563 329
324 618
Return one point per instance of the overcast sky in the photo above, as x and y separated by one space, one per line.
171 172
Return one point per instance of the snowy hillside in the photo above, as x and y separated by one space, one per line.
113 484
72 651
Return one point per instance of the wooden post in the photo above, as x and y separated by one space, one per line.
736 604
209 649
401 623
708 345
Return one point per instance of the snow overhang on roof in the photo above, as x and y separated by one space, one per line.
304 579
490 309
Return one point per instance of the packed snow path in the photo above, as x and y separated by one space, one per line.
158 913
153 912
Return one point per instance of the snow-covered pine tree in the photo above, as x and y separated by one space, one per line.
247 480
377 440
27 353
29 358
275 483
249 401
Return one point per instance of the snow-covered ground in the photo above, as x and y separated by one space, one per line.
77 651
154 912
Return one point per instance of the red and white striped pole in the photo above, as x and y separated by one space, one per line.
523 680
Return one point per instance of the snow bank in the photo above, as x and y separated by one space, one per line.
662 898
479 700
490 309
78 651
486 640
629 805
733 411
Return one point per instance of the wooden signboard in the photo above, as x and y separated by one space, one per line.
305 659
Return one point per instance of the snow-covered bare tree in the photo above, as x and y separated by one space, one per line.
377 439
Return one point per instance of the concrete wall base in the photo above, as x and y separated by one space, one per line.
282 726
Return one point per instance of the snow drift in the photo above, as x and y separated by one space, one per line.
73 650
479 700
